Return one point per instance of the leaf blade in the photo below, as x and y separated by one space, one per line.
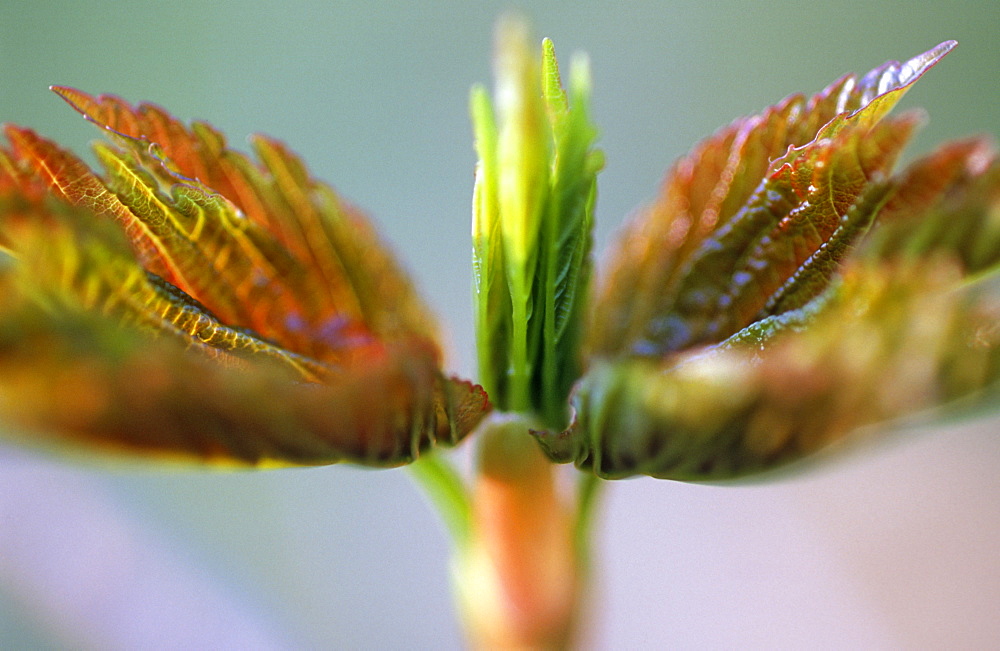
162 374
706 210
306 217
829 297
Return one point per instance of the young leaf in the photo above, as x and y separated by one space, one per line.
737 409
533 215
774 332
79 380
748 209
349 272
263 326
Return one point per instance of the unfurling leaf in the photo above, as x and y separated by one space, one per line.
786 290
532 220
194 303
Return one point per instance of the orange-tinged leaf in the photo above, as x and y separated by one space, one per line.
77 380
910 324
147 312
306 217
68 260
753 221
70 178
225 261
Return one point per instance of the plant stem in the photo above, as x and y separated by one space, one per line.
520 578
447 493
588 491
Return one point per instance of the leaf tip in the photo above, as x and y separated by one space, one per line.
93 108
947 46
918 65
84 104
71 96
937 52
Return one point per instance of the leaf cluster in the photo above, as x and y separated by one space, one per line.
536 184
787 286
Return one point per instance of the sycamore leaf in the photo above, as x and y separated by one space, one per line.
75 378
349 271
946 201
753 220
738 409
255 321
762 310
910 323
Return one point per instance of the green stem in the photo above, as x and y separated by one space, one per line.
447 493
588 493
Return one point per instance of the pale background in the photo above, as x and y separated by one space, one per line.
890 546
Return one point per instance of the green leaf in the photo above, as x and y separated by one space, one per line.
569 222
533 216
491 293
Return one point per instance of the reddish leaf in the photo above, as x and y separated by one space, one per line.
188 328
910 324
38 160
312 228
753 221
946 201
76 379
742 330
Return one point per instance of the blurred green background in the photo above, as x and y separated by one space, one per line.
893 545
